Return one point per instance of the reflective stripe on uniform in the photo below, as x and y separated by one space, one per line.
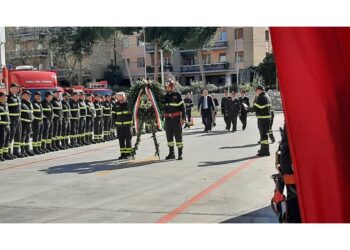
171 143
263 117
14 114
13 104
262 106
175 104
264 142
179 144
25 120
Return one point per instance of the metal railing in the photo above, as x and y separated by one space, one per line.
13 54
207 67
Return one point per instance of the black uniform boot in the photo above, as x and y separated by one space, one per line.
8 157
264 151
2 157
171 154
122 156
180 154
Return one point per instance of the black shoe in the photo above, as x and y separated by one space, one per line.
19 155
262 154
170 157
214 124
8 157
29 153
179 157
37 152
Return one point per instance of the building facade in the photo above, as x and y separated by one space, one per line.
232 52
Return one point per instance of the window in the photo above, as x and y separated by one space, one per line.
188 60
267 35
39 46
239 33
222 57
152 59
167 60
141 62
223 36
206 59
240 56
125 42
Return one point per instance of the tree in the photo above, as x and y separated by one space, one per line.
200 37
267 70
167 38
113 74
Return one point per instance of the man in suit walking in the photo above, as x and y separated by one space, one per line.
206 106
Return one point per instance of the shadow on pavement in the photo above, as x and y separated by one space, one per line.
262 215
242 146
97 166
215 163
220 132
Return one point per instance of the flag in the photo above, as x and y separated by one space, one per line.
313 68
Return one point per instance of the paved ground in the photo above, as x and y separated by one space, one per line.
219 180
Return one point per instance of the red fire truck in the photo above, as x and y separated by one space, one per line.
98 88
30 79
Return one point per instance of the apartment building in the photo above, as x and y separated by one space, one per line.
232 52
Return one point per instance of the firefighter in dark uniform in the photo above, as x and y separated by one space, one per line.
47 121
90 116
272 138
27 118
234 108
74 105
65 121
113 127
82 120
37 123
174 113
57 120
4 128
14 106
261 107
107 118
245 106
122 118
188 105
98 128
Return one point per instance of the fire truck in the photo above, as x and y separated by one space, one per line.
30 79
98 88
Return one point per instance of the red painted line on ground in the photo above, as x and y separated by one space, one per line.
54 158
206 191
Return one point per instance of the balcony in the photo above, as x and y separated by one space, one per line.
207 68
13 54
168 67
150 48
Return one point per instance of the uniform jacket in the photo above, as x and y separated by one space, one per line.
37 110
262 106
47 109
122 116
26 112
4 115
174 103
234 106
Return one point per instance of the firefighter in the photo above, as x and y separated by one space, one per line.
261 107
82 120
4 128
47 121
245 106
37 123
102 100
272 138
174 113
188 104
90 116
122 118
113 127
14 106
98 128
57 120
107 118
74 105
65 121
26 122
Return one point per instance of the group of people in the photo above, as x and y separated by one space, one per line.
61 121
233 107
32 126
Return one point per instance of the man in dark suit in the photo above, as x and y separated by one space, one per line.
234 108
224 109
245 106
206 106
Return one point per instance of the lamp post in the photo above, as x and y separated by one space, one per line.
162 65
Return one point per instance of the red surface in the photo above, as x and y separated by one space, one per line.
32 79
314 75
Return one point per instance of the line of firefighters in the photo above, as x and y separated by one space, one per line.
60 121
